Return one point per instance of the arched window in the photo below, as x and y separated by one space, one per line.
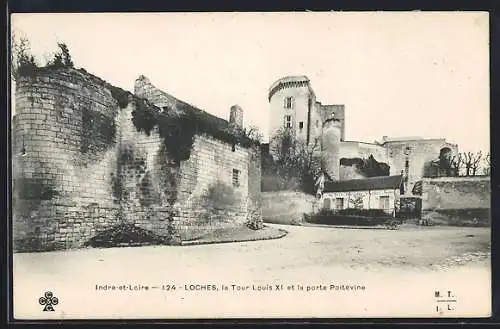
445 162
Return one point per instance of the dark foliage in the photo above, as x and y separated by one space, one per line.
293 166
367 167
62 58
354 217
98 131
409 208
125 235
120 95
178 127
356 212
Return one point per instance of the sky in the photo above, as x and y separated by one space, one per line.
398 74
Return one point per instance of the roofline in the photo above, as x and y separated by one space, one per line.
374 144
399 177
365 179
416 140
285 80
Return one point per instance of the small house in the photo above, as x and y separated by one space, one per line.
368 193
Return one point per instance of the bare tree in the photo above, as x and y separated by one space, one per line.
487 164
472 163
457 163
295 163
476 164
254 133
22 61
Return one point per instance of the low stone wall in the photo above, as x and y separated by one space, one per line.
286 207
457 201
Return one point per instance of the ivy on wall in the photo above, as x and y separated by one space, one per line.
120 95
98 131
367 167
178 127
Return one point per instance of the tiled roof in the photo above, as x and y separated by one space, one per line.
373 183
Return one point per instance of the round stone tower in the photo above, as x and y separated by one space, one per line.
330 144
290 100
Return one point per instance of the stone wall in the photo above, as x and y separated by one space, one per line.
144 181
286 207
457 200
420 152
61 186
81 167
212 163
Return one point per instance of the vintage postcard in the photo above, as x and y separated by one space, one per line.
250 165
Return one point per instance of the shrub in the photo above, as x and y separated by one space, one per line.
125 235
354 212
357 217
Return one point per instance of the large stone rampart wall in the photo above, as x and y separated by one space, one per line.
62 192
81 167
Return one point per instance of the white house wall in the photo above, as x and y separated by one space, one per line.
371 199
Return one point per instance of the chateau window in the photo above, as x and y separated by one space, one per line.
288 121
288 102
301 125
339 203
384 202
317 123
236 178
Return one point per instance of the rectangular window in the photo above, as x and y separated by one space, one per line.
236 178
288 102
384 202
288 121
339 203
301 125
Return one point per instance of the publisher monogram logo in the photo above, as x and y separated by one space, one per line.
48 300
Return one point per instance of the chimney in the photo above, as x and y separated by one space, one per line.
236 116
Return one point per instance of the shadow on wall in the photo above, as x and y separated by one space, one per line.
218 207
286 207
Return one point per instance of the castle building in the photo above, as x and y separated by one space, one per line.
294 107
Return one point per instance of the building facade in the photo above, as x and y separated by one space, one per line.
370 193
294 107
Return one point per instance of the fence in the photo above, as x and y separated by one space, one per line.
409 208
